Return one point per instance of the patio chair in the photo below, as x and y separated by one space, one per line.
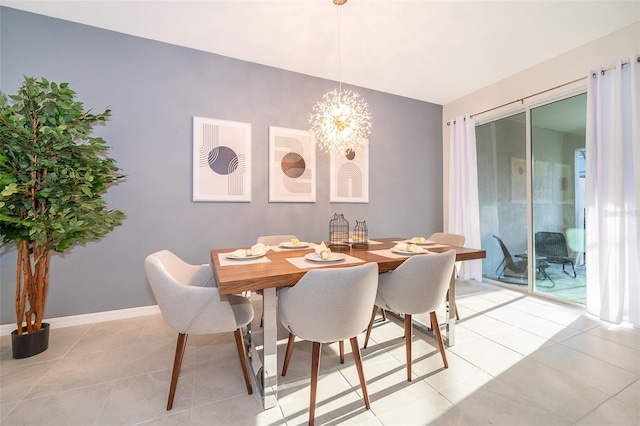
519 267
553 247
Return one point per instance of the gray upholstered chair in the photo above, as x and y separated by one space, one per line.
450 240
329 305
417 286
190 303
274 240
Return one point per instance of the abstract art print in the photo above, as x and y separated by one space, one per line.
349 176
292 166
221 160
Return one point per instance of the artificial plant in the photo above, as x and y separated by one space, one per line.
53 174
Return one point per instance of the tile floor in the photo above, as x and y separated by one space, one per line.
564 286
518 360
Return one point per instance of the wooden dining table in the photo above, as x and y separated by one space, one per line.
282 267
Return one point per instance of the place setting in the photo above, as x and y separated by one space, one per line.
293 244
404 248
255 254
322 256
408 249
420 241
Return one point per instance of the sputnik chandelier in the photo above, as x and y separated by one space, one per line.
341 121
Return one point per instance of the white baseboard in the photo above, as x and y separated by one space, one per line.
69 321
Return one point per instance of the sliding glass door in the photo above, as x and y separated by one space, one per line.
532 200
502 185
558 151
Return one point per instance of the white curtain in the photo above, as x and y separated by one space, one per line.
613 192
463 207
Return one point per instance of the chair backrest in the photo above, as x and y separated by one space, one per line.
448 239
505 250
274 240
419 285
551 244
330 304
187 304
508 262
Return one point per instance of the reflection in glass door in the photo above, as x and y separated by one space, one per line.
557 149
502 186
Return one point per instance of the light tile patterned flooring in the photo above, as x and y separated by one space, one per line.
518 360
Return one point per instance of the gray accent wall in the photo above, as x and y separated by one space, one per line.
154 89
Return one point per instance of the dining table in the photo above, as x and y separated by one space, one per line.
283 265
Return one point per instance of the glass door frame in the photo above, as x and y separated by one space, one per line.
526 108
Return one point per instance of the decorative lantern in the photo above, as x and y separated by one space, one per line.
338 233
360 235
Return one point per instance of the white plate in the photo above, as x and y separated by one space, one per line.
253 256
290 245
422 251
335 257
425 243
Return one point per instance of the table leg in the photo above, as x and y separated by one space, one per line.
261 349
270 345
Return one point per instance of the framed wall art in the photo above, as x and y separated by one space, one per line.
349 176
221 160
518 180
292 166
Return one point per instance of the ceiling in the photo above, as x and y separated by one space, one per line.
434 51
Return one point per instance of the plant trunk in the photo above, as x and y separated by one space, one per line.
32 284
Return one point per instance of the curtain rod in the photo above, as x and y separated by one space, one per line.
521 100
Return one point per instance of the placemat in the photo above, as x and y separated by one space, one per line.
302 263
225 261
391 255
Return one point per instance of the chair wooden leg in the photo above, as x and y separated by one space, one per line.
363 382
315 371
341 344
408 331
373 317
177 362
243 359
436 329
384 314
287 356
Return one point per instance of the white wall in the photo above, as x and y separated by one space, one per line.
570 66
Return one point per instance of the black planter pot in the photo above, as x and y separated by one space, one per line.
29 344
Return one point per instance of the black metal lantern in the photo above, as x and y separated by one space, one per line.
338 233
360 235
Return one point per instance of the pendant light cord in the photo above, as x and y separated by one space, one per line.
339 21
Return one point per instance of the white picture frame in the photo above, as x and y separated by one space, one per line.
221 160
349 176
292 166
